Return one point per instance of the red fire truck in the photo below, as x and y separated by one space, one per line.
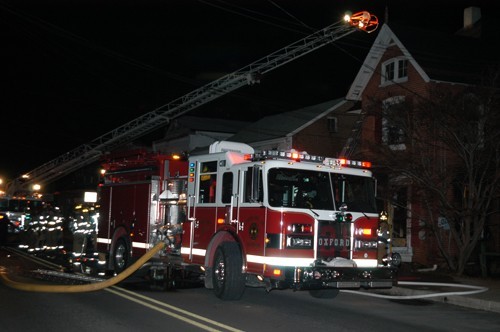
279 219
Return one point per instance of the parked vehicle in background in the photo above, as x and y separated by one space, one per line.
19 210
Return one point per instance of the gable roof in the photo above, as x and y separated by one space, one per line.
196 123
437 56
286 124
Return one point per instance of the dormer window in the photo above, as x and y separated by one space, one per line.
395 70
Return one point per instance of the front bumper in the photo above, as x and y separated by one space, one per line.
324 277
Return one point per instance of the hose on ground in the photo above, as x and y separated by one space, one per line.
474 290
42 288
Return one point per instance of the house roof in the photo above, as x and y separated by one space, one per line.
285 124
448 57
209 124
437 56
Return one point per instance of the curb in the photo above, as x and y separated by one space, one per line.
463 301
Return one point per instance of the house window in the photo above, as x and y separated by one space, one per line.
402 68
393 133
400 216
473 135
389 71
332 124
395 70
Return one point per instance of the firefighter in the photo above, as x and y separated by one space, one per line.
35 234
53 228
83 227
383 238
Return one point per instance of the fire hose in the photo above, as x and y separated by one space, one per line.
42 288
473 290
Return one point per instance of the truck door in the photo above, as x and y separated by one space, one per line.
202 203
229 199
251 215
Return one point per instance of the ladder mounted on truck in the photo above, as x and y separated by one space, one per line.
88 153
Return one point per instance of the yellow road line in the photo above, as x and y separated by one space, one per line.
136 298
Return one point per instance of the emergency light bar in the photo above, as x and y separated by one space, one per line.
304 156
287 155
346 162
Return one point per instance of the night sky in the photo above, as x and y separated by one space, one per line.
74 70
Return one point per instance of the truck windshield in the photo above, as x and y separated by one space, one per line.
304 189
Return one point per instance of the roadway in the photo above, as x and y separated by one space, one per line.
132 306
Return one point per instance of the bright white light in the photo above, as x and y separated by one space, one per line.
90 197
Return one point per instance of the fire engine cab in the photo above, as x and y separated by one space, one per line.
279 219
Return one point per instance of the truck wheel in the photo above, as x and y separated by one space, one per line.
324 293
396 259
229 281
120 256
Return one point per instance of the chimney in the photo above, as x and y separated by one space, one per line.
471 16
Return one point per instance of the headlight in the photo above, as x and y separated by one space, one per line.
365 244
300 228
299 242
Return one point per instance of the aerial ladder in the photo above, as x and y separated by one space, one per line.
88 153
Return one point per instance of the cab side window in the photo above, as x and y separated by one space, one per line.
227 187
253 191
208 182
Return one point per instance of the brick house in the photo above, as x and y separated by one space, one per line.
405 64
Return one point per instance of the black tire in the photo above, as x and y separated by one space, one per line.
324 293
396 259
229 281
120 256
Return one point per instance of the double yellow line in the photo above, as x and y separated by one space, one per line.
172 311
108 285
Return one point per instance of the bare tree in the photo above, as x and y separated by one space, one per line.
447 146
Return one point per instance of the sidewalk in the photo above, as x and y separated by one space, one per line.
488 300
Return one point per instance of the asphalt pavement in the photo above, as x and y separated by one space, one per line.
430 285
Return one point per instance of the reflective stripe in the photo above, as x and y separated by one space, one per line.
141 245
366 262
280 261
276 261
196 252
